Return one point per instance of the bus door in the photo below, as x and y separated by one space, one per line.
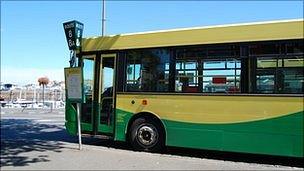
88 67
107 93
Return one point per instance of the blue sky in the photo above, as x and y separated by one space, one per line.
33 42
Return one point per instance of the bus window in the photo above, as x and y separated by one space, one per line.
186 76
88 77
265 82
221 76
280 75
147 70
292 81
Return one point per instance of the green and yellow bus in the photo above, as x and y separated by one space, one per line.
236 88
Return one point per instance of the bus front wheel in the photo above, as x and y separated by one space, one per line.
146 135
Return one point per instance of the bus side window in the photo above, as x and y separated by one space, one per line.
221 76
277 75
147 70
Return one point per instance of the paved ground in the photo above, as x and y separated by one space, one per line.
36 140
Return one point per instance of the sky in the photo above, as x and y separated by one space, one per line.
33 43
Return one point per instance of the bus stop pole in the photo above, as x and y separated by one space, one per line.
73 32
78 126
73 64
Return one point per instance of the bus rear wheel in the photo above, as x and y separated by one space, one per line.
146 135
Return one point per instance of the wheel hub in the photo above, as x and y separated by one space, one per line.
147 135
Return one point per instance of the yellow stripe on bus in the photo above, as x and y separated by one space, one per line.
211 109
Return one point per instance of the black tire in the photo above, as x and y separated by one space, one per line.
146 135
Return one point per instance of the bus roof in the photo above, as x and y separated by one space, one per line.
246 32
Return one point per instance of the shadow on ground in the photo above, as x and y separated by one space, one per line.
20 136
237 157
217 155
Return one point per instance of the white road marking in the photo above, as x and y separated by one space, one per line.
44 120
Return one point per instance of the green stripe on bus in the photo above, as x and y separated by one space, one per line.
122 120
277 136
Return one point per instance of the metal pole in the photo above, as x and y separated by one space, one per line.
34 98
43 95
78 112
25 94
38 95
20 94
78 125
103 18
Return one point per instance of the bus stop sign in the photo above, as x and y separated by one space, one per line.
73 32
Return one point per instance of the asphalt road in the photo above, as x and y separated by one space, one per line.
36 140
